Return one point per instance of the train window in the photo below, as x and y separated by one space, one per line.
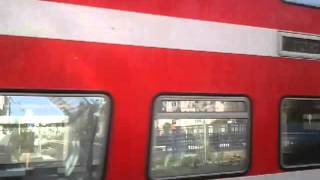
299 45
199 136
312 3
55 136
300 132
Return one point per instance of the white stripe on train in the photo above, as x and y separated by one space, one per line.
32 18
294 175
42 19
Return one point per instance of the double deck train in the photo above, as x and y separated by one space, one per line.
159 89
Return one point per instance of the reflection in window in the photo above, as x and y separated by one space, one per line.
61 137
204 136
171 106
300 132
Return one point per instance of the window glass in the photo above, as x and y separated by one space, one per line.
314 3
53 136
199 136
300 132
301 45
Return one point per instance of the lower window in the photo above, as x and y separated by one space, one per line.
300 132
196 136
53 136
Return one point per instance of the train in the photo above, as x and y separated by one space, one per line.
161 89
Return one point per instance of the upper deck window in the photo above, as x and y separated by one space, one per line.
195 136
55 136
313 3
297 45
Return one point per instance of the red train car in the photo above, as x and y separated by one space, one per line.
160 89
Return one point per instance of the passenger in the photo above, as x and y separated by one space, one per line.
5 156
14 145
27 144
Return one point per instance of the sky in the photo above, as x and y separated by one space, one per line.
43 106
40 106
315 3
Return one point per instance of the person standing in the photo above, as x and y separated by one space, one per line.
27 144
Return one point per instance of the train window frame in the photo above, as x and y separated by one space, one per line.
181 97
67 93
301 4
292 54
281 160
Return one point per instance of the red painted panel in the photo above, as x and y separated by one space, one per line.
263 13
135 75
